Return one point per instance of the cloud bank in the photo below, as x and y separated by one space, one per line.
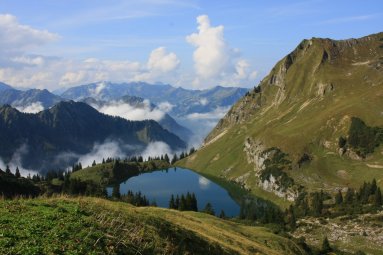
16 161
32 108
143 111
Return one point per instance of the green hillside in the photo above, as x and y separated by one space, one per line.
96 226
283 136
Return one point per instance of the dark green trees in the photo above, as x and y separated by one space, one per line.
17 174
339 198
325 246
378 198
184 203
8 170
116 191
209 209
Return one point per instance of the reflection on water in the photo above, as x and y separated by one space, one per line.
158 186
203 182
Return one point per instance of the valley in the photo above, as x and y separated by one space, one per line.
271 146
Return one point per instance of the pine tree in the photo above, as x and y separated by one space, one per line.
182 206
316 204
339 198
172 203
94 163
291 219
174 159
166 158
116 191
349 197
17 174
188 202
222 214
373 186
194 206
326 246
177 202
208 209
7 170
378 197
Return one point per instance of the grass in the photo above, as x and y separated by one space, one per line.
84 225
306 121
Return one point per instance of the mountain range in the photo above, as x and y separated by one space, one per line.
137 103
58 136
314 123
184 101
23 99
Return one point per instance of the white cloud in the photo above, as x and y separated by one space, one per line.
32 108
97 90
212 54
203 182
155 149
15 37
20 67
100 151
165 106
214 61
160 60
204 101
124 110
16 161
218 113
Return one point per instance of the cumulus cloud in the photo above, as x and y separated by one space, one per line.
32 108
160 60
155 149
214 60
124 110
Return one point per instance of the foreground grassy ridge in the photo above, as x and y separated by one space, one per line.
97 226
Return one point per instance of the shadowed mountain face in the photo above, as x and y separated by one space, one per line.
137 103
55 137
286 132
184 101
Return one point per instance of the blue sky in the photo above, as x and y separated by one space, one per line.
54 44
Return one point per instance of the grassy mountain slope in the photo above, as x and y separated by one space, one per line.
96 226
302 107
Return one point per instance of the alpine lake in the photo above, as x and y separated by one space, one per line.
159 185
